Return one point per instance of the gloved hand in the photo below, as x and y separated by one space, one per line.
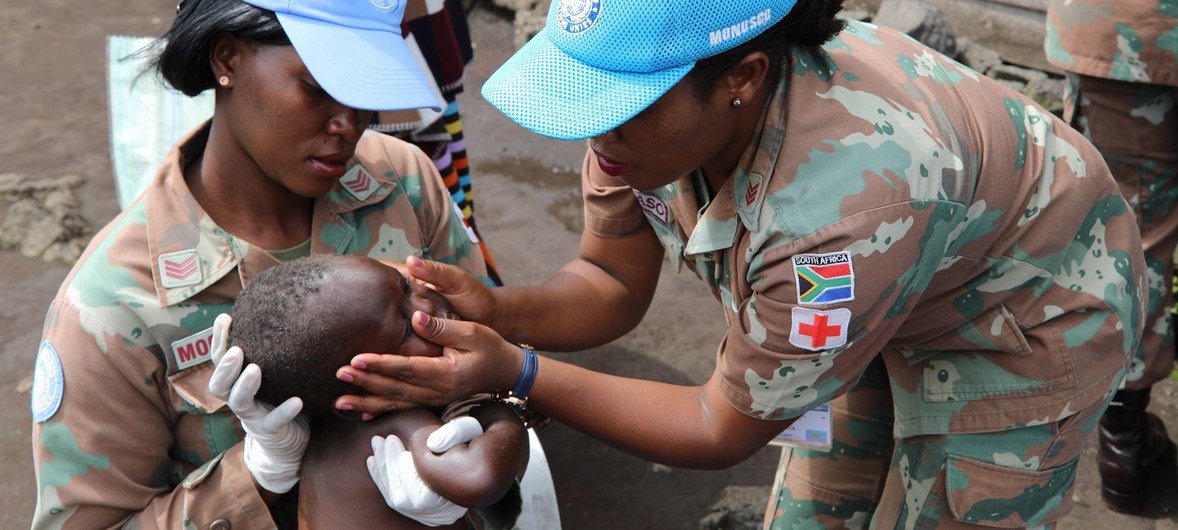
460 430
392 469
275 438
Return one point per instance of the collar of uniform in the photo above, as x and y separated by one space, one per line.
750 181
188 251
744 192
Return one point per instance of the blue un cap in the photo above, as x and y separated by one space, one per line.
598 63
355 50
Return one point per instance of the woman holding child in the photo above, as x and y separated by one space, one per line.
874 218
126 429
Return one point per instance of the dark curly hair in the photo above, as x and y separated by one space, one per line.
810 24
184 51
294 335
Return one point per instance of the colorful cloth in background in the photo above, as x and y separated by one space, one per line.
438 35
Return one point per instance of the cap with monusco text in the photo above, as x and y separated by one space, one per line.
598 63
355 50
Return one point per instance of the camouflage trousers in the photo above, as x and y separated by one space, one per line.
1017 478
1135 127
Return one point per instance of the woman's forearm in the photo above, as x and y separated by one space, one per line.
592 300
682 426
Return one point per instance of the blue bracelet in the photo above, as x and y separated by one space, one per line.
527 375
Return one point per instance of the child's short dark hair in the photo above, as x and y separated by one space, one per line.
186 48
280 324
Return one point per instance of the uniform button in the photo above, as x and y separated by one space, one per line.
219 524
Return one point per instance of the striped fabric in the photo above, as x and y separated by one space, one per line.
439 37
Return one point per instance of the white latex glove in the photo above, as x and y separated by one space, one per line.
392 469
220 341
460 430
275 438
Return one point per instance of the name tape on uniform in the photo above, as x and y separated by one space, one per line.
654 206
824 278
193 349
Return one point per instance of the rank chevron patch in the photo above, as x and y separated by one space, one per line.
824 278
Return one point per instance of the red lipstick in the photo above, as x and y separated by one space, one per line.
610 167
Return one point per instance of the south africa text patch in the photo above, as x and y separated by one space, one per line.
824 278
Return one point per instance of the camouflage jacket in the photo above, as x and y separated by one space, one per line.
125 430
1125 40
895 201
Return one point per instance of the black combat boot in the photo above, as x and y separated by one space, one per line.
1134 447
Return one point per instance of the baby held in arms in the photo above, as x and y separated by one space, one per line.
301 321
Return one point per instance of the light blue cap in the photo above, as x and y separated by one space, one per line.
598 63
355 50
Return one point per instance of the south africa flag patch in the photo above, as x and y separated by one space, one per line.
824 278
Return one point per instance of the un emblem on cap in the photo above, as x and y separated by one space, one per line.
577 16
386 5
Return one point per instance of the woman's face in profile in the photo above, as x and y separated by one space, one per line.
287 126
674 135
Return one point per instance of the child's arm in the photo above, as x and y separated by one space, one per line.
477 474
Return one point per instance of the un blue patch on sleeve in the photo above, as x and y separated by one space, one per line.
48 383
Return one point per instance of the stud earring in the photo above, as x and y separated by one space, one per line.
736 102
223 80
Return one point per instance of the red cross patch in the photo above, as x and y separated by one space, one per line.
817 330
359 183
180 269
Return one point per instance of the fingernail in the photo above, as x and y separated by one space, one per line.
360 364
345 377
414 261
366 416
344 406
421 318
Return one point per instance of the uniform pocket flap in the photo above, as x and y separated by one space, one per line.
1002 497
193 387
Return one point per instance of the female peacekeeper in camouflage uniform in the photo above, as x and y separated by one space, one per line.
1122 62
848 194
127 431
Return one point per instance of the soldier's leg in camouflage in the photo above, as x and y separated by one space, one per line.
839 488
1135 127
1013 479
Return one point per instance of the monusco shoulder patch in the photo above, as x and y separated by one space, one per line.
48 383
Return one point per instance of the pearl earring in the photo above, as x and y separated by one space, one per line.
736 102
223 80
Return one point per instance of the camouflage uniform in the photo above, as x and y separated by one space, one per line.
896 204
1122 63
126 431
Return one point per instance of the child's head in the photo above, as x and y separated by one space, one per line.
303 320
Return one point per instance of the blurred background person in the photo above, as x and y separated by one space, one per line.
1121 58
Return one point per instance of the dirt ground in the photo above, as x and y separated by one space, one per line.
54 122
